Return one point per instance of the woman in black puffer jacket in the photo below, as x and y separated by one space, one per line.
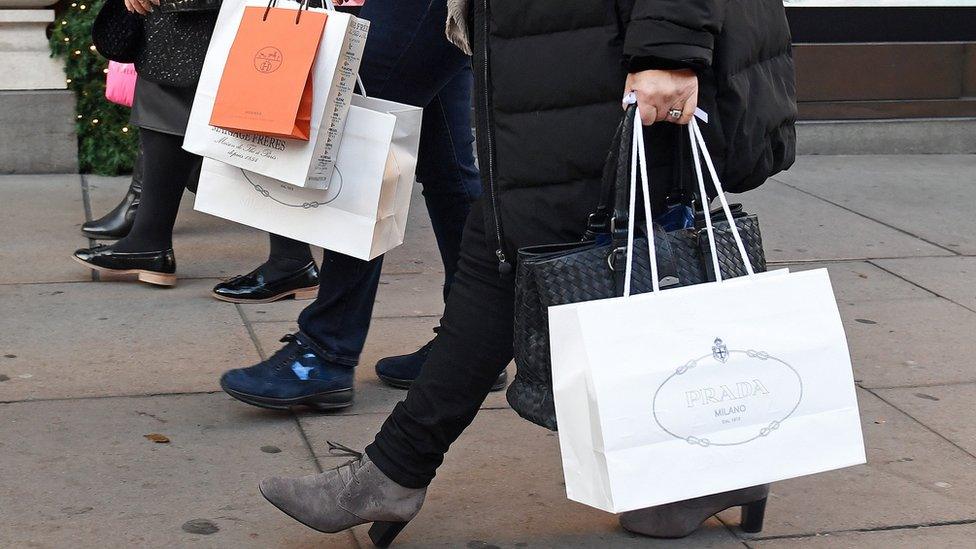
551 76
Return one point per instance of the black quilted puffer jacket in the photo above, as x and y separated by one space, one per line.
551 75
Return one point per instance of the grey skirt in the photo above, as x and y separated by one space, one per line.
161 108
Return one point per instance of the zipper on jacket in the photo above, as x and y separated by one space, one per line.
504 267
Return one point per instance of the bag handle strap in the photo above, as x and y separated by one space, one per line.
697 140
302 6
599 221
638 156
638 162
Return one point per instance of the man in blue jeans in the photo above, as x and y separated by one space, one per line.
407 59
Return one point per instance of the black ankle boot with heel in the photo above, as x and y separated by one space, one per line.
118 222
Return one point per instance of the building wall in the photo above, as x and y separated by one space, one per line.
857 62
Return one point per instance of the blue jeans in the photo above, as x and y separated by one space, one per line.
408 60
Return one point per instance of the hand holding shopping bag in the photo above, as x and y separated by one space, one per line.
266 86
668 396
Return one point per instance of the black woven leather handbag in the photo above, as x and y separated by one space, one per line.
594 269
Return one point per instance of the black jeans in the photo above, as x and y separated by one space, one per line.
408 60
471 349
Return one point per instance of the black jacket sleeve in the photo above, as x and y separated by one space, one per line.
680 31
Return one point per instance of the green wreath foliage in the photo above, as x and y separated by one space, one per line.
107 145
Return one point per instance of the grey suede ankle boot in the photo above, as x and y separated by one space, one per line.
354 493
681 518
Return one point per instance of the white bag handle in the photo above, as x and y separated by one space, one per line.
697 140
637 153
638 158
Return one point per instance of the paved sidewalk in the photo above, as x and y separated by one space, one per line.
87 368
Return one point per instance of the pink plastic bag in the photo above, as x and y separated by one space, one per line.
120 83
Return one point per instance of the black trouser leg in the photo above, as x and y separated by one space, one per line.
166 171
472 347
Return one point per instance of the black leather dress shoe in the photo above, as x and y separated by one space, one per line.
262 285
118 222
157 268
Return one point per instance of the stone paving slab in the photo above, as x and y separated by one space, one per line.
907 342
860 281
41 218
399 295
946 409
387 337
800 227
951 277
115 338
912 477
927 195
500 487
80 473
959 536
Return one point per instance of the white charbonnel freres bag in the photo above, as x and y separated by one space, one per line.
666 396
362 214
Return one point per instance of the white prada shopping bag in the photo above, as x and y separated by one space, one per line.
363 213
667 396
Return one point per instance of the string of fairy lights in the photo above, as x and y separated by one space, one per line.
77 53
106 141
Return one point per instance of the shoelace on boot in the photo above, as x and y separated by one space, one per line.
350 466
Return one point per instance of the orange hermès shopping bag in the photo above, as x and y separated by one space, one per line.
266 87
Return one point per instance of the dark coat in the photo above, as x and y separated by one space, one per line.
175 46
550 81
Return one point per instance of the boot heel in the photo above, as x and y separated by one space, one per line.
752 516
383 533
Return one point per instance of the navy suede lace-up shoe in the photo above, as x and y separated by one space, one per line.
296 375
400 371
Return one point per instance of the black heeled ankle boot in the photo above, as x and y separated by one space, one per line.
118 222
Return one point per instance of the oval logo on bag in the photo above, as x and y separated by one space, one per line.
727 397
298 197
268 59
